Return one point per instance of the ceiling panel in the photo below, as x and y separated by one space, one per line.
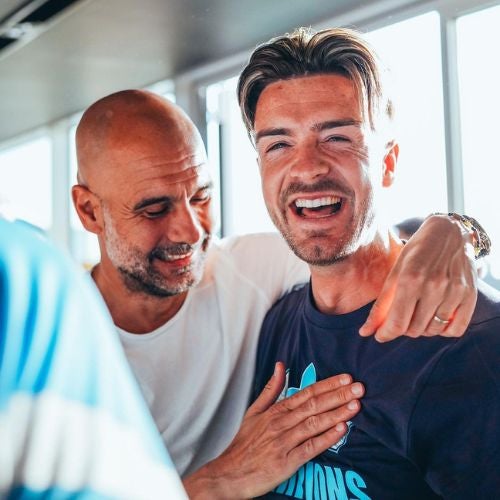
100 46
9 6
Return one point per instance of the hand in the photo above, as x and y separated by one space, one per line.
274 440
434 277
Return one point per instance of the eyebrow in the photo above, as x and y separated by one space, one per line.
270 132
152 201
336 124
168 200
319 127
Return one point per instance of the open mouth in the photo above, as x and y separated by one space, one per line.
317 208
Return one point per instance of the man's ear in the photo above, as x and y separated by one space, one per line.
390 161
88 208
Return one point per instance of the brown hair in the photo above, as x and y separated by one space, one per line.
338 50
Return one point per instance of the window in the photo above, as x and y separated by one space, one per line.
416 82
242 204
478 40
26 181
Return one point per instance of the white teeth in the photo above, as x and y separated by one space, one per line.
317 202
178 257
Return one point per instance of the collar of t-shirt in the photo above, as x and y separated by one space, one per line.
352 319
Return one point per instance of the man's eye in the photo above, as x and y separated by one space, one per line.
200 199
277 145
337 138
155 212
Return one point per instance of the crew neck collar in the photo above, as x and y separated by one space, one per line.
351 319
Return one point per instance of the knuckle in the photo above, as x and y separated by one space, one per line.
456 331
437 282
459 285
414 332
308 392
432 329
344 395
309 448
274 425
413 329
383 336
312 422
277 409
395 326
312 405
412 277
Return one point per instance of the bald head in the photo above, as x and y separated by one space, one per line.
131 124
144 189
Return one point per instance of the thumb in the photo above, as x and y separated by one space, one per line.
270 392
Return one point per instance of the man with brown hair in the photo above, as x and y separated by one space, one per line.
315 105
188 310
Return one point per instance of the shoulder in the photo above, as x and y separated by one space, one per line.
262 261
252 245
290 301
474 359
28 259
286 309
487 306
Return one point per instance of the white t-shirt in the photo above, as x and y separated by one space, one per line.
196 370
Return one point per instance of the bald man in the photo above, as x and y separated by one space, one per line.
188 310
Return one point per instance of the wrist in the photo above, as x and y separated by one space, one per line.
208 483
472 231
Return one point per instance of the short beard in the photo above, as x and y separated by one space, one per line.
320 255
139 281
138 272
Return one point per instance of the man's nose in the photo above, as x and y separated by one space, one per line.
183 225
309 163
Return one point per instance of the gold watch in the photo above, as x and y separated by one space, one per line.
480 240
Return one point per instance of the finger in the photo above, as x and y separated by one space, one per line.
317 405
447 312
270 392
318 424
381 306
426 309
316 445
461 290
461 318
328 385
399 315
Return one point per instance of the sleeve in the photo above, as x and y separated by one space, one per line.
266 260
72 421
454 436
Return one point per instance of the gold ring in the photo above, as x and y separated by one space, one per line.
441 321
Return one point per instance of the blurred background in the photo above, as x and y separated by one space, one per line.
57 57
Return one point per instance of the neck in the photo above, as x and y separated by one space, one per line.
356 280
135 312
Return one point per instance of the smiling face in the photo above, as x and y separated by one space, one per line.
149 190
321 165
157 225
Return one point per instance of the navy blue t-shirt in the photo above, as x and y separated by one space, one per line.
429 426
